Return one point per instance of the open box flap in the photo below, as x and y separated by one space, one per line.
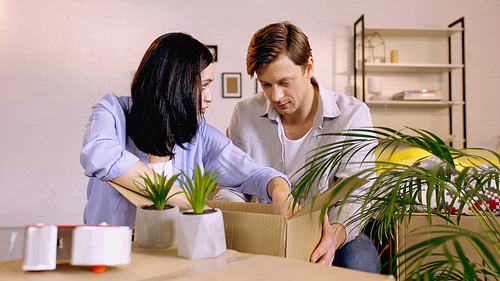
132 196
320 199
258 208
140 199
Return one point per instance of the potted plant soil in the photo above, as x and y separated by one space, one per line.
201 230
156 225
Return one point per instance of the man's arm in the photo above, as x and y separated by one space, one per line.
350 165
233 130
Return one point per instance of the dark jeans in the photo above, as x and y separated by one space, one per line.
359 254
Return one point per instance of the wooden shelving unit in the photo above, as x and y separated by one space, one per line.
362 68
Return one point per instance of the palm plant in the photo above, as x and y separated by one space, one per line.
199 188
397 191
157 189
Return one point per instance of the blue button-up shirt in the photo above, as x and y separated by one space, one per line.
108 152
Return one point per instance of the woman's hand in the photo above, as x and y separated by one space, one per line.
279 191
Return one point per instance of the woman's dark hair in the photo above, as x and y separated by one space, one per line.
166 94
273 40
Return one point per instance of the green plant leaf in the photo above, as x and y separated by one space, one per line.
395 193
158 188
199 188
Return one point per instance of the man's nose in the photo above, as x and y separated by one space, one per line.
277 93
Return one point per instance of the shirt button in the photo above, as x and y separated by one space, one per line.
281 160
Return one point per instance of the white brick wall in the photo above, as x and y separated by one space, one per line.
58 57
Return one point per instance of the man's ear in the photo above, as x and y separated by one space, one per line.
309 68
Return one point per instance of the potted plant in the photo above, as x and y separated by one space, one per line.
444 185
201 230
156 224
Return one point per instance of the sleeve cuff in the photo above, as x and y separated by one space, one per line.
275 174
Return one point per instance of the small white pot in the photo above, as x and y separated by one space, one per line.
156 228
201 236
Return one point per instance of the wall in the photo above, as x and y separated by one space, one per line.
58 57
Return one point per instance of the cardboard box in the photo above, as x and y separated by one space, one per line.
418 230
253 228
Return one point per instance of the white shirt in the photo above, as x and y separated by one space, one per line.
294 153
162 167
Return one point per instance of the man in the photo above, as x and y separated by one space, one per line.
280 126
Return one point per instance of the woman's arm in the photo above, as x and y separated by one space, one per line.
279 190
127 180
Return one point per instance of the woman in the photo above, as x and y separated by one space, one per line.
162 122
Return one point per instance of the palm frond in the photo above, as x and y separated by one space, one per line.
396 192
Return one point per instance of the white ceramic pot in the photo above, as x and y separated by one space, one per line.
156 228
201 236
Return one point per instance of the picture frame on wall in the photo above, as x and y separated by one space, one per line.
231 85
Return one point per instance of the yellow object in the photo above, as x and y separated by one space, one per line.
411 155
404 156
394 56
408 156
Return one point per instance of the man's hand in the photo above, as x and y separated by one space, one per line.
279 191
333 236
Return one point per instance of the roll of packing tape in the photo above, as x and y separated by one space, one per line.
101 245
40 248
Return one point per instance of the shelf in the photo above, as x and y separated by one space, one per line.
404 32
419 67
450 138
411 67
400 103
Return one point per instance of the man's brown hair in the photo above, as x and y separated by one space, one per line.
277 39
